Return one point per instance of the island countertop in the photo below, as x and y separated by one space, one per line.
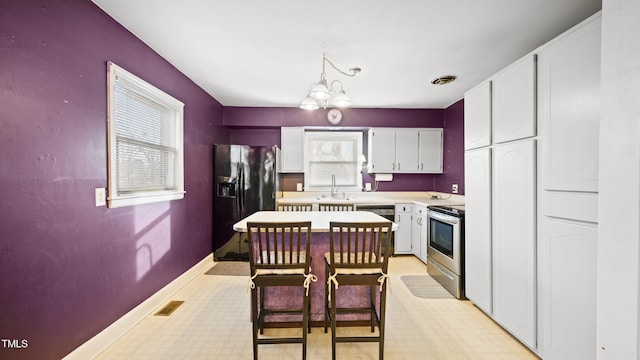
319 219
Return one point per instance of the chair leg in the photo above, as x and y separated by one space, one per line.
254 321
260 317
381 324
333 320
372 300
305 324
326 297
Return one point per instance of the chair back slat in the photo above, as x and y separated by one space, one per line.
359 245
282 206
337 207
284 245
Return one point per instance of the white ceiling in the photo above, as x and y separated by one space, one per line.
268 53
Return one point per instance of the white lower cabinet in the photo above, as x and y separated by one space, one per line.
419 232
477 172
402 236
514 247
568 258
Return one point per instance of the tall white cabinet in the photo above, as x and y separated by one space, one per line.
478 259
569 118
531 180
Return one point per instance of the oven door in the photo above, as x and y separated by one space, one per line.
444 240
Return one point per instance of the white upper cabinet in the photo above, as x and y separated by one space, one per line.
292 154
382 150
405 150
406 153
513 99
430 151
569 110
477 116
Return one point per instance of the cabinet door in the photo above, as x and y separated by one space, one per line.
382 146
419 233
477 116
292 143
568 257
477 172
513 101
430 151
513 226
407 150
402 236
569 110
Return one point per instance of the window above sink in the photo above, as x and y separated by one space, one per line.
333 155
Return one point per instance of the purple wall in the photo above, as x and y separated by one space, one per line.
261 126
69 269
453 155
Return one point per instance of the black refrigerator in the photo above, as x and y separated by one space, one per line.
245 181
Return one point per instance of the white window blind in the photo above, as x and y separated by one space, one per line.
333 154
145 142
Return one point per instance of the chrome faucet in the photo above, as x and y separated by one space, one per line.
334 189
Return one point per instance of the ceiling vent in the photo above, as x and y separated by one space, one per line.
443 80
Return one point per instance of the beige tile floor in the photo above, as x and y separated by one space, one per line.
213 323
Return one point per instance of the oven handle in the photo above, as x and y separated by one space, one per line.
444 218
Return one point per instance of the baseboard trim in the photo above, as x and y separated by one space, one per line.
99 343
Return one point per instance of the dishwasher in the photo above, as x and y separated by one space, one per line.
386 211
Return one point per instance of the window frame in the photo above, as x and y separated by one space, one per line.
356 136
144 89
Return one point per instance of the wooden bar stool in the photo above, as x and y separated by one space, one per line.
279 255
337 207
355 257
282 206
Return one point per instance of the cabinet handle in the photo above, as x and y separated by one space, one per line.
393 167
398 166
421 166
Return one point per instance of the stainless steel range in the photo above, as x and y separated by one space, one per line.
445 247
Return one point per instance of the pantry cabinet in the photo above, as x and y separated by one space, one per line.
405 150
569 117
514 243
478 259
539 219
292 153
402 236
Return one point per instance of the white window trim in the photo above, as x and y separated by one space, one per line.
348 135
115 200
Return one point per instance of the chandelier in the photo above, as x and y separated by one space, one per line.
322 95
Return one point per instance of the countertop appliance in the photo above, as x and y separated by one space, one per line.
245 181
445 247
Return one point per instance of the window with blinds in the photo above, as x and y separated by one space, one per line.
145 142
333 155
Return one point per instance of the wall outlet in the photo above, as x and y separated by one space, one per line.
367 186
101 197
298 186
454 188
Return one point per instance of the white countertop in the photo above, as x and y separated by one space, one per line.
376 198
319 219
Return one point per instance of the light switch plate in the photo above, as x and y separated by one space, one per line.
367 186
101 196
298 186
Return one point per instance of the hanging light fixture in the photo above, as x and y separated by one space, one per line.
322 95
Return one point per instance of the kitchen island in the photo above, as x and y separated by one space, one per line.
282 298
